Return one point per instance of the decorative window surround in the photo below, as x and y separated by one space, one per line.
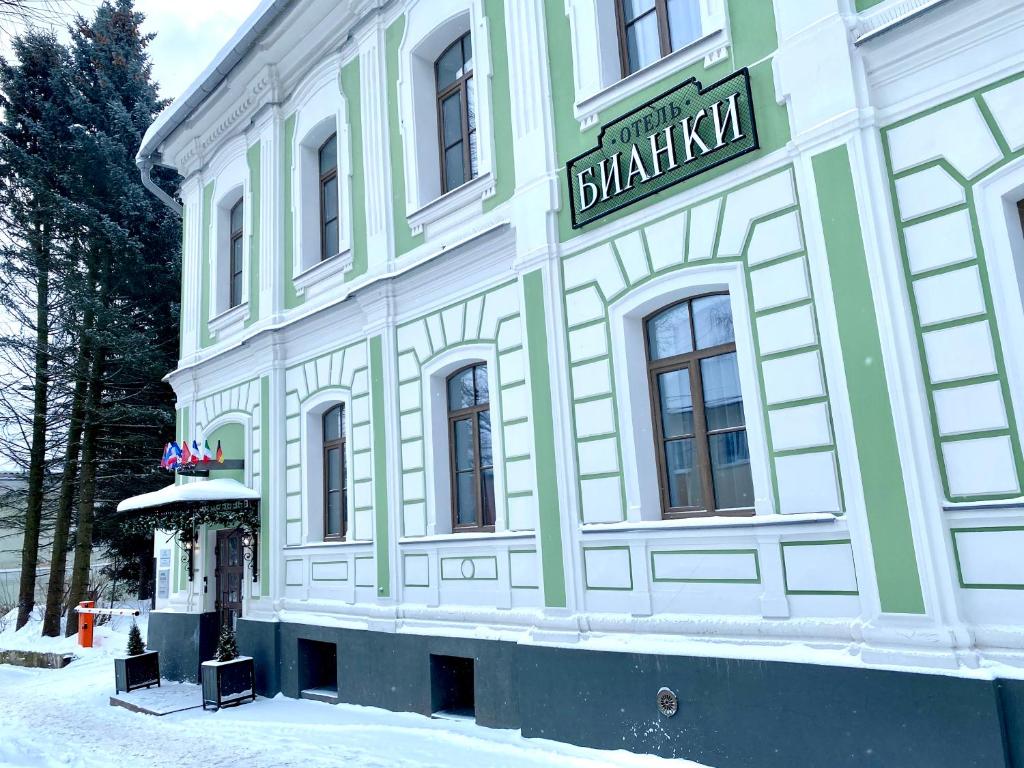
595 38
320 111
431 27
231 321
312 410
230 176
466 201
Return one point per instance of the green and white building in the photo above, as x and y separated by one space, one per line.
583 348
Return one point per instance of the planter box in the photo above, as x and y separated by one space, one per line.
142 671
228 682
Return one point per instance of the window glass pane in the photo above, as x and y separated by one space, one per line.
236 255
236 290
333 513
449 67
451 119
676 403
668 333
723 402
730 470
643 46
683 478
482 395
454 167
460 390
331 238
329 155
333 469
487 495
236 217
329 192
465 504
471 103
683 22
633 8
486 450
465 457
712 321
332 424
467 52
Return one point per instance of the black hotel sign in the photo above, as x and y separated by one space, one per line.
673 137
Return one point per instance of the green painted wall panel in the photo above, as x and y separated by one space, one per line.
255 192
899 583
291 298
380 468
265 485
548 508
501 105
863 5
350 90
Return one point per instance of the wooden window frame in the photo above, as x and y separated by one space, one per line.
664 33
236 236
460 85
327 446
325 177
472 413
689 361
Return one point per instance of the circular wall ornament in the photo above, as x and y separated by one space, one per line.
668 702
468 569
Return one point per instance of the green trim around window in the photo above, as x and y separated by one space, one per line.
885 498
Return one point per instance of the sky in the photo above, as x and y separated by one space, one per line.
189 33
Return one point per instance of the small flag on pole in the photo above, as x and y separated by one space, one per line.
220 453
166 457
186 455
207 453
196 453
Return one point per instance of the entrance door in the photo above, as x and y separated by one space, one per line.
230 571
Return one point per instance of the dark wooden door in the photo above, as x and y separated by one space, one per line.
230 571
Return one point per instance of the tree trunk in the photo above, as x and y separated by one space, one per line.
62 525
87 490
37 451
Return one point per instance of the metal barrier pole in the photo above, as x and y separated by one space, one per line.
85 624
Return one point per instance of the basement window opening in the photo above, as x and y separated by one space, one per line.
318 671
452 687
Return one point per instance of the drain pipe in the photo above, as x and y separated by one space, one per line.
145 165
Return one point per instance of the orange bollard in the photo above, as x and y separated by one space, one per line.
85 624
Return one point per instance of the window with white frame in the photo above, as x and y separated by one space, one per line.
651 29
327 163
456 113
335 476
231 251
236 231
471 449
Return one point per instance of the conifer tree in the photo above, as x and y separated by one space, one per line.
227 646
135 644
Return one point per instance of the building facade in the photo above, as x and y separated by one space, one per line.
583 349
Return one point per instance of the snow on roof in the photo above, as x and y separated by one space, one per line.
207 490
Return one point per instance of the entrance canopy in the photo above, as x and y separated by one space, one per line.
206 493
183 509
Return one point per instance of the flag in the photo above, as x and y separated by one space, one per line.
207 453
186 456
174 456
220 453
166 457
196 453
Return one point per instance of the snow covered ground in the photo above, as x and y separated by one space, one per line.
63 718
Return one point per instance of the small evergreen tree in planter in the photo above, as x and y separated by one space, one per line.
141 668
228 678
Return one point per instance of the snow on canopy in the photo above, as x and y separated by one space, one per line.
222 489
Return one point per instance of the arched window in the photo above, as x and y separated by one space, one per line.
335 477
699 426
235 255
327 158
651 29
472 457
456 113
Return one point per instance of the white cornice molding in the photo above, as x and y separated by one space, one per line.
887 16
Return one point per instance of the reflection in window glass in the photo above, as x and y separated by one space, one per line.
472 450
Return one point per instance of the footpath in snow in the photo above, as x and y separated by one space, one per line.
63 718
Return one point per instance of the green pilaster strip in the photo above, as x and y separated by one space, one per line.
501 105
350 90
405 241
255 191
265 485
888 514
380 468
291 298
549 518
205 268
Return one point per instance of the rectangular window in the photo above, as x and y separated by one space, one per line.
701 436
235 255
472 455
327 158
335 480
652 29
456 114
